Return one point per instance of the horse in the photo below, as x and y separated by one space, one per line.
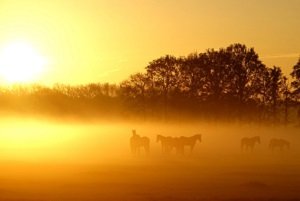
167 143
136 142
183 141
280 143
178 143
249 142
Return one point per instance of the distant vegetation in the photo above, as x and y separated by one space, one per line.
229 84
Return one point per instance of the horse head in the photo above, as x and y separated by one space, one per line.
199 137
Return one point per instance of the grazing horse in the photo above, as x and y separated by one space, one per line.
167 143
278 143
178 143
136 142
187 141
249 142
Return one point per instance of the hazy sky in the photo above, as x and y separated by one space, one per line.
98 41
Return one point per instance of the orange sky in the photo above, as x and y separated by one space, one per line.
106 41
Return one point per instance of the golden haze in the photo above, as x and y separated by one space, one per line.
100 41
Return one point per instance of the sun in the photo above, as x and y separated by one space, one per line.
20 62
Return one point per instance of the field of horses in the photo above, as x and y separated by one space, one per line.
43 161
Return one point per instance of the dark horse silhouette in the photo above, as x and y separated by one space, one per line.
184 141
136 142
278 143
249 142
168 143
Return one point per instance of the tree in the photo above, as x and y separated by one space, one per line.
164 74
133 92
246 73
286 91
193 76
296 76
296 85
217 75
276 81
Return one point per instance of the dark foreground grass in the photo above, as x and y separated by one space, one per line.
191 179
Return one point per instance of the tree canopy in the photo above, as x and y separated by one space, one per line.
230 84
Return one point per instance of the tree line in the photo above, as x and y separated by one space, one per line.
229 84
94 100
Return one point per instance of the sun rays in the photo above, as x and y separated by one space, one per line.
20 63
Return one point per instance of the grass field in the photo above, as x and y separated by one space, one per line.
93 162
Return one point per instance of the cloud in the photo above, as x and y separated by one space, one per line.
281 56
114 64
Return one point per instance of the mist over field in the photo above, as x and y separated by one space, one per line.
76 160
149 100
217 125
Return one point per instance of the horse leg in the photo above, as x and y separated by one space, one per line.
133 149
177 149
168 149
147 149
191 149
242 147
182 149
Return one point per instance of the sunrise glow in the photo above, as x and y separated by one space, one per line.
143 100
20 62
